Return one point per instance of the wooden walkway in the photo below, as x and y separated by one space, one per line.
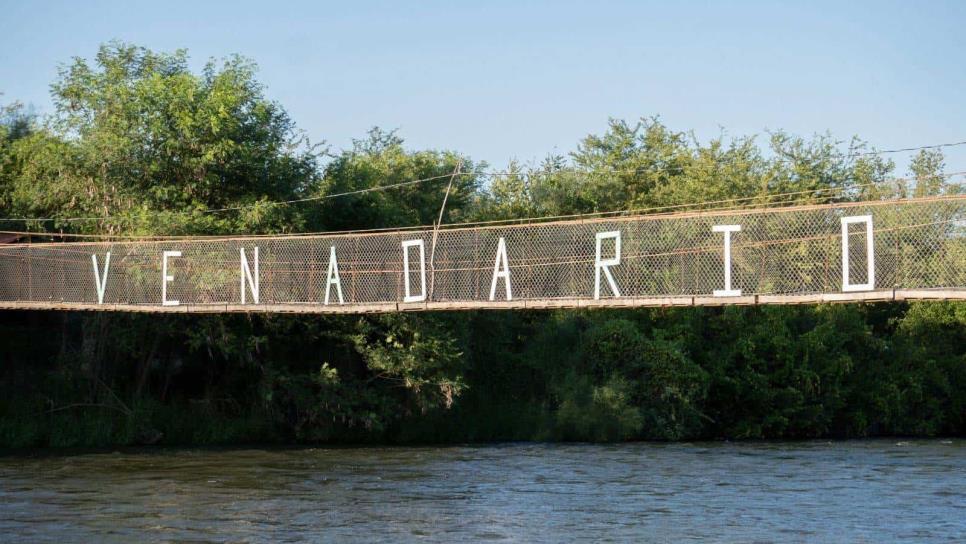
641 302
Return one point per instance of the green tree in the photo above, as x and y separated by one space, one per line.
145 146
380 160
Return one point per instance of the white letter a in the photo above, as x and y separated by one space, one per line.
498 263
332 278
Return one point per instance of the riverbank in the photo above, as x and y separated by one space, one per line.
848 371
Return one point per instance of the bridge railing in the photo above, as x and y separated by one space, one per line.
775 255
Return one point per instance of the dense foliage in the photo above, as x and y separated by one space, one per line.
142 145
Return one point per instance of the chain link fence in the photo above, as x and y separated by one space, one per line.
778 255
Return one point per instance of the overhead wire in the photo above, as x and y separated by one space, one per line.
247 206
907 149
776 200
451 176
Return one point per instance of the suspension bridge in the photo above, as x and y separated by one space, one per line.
907 249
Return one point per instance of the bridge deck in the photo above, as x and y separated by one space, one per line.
880 295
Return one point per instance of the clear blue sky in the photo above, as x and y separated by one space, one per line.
516 79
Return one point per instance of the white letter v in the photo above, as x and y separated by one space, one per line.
98 279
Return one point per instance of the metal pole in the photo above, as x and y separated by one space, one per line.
439 221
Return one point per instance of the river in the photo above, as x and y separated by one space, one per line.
855 491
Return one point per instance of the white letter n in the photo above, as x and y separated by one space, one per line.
246 273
